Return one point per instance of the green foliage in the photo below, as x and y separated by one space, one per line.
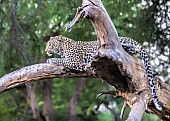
105 116
26 25
150 117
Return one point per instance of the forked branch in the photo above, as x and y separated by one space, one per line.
111 63
110 48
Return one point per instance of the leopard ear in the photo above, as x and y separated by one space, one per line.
51 38
60 38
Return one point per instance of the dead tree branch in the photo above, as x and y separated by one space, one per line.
110 52
111 63
36 72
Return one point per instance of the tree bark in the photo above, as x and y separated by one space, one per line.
111 63
42 71
110 48
74 99
37 72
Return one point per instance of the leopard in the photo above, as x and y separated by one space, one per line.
76 54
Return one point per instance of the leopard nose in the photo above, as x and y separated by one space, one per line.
46 50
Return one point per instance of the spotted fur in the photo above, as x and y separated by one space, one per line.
76 54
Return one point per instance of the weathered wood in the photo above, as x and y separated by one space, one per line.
111 63
42 71
134 82
36 72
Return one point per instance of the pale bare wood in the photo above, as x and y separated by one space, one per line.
36 72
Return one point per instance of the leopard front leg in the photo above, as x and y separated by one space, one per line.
57 61
68 63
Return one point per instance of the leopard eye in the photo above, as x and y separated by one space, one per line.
49 44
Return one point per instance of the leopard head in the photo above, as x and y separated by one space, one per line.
54 45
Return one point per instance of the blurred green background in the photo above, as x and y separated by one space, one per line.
25 27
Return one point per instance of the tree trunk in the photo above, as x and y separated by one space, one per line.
110 52
47 93
31 97
111 63
74 99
